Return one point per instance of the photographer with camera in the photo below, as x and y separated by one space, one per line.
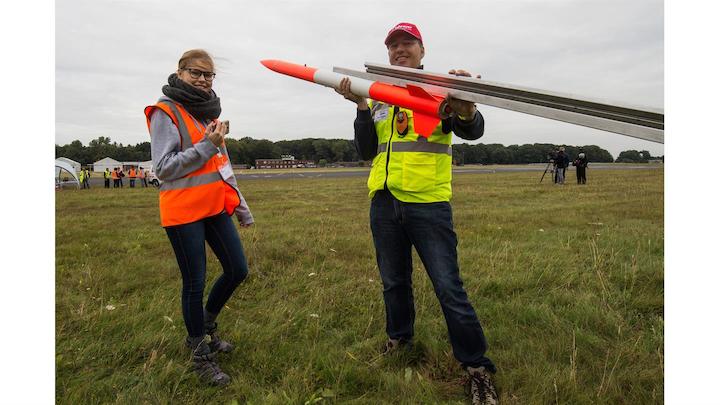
561 163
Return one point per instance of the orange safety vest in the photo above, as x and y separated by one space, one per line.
204 192
142 174
132 174
115 175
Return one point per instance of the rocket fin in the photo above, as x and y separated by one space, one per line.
417 91
424 124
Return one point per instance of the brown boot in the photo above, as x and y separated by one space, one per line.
216 344
205 365
481 387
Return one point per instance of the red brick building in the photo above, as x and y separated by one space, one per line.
285 162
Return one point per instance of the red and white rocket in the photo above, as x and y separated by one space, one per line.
427 109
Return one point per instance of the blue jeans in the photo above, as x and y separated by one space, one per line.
396 227
188 242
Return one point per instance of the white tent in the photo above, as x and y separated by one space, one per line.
62 167
147 165
106 163
75 165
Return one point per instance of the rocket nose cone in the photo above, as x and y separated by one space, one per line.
269 63
290 69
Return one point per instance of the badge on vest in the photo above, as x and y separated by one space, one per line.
379 112
226 171
401 123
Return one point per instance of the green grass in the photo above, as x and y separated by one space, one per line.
567 282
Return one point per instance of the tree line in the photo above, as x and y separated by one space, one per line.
247 150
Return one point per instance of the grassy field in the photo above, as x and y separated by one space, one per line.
567 282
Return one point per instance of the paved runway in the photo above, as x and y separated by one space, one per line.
97 181
268 174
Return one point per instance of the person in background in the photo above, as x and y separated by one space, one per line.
581 164
562 161
410 190
552 155
106 176
142 174
86 178
116 178
121 174
199 197
132 174
82 178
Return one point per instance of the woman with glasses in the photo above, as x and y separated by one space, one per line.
198 198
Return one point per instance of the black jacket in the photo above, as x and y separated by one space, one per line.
562 160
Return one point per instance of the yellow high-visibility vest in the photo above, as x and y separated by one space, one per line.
415 169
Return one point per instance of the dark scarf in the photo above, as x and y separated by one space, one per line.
202 105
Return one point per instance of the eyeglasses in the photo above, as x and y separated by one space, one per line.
195 74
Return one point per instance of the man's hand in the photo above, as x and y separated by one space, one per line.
216 132
465 109
344 90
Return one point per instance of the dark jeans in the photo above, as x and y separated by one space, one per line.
581 179
396 227
107 183
188 242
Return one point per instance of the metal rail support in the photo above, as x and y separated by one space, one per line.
636 121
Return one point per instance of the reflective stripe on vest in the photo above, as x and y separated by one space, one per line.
185 140
418 146
202 193
187 182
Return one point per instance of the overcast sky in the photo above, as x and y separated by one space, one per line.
112 58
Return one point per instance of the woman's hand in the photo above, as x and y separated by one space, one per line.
344 90
216 132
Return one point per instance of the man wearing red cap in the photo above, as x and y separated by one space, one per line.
410 189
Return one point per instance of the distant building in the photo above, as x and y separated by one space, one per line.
111 164
147 165
75 165
105 163
283 163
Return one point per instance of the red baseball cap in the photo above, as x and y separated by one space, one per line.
410 28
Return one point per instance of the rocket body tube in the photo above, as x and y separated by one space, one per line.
427 109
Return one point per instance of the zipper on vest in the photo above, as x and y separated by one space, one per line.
387 157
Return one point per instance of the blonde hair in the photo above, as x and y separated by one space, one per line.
195 54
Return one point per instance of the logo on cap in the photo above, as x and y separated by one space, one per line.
405 27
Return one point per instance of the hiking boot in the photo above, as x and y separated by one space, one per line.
216 344
393 345
481 387
204 364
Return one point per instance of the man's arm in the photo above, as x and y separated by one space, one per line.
469 130
472 124
366 140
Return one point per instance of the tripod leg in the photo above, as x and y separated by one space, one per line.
543 175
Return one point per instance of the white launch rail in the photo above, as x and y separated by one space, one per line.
639 122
